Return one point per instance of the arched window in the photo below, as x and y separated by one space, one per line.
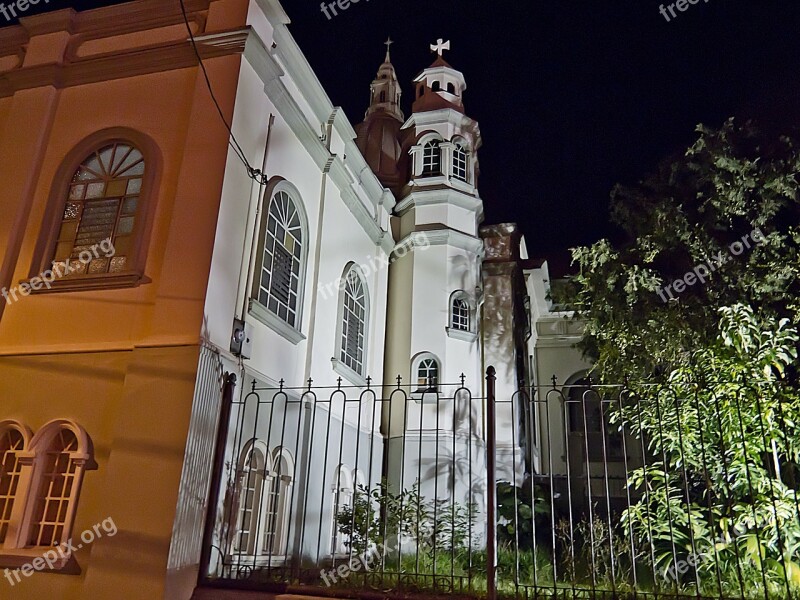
451 88
251 489
460 162
280 285
437 86
103 205
460 312
425 369
590 423
354 319
62 451
13 440
343 493
279 479
432 158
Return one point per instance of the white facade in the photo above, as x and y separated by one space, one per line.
345 281
287 127
552 349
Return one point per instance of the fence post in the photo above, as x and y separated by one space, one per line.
218 467
491 483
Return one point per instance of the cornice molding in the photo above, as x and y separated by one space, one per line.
422 238
271 72
440 196
130 63
50 22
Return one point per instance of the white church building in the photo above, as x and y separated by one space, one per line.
359 300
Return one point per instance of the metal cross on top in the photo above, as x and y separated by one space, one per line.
440 46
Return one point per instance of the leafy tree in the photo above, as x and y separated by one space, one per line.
730 183
718 406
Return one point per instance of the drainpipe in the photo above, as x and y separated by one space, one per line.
328 129
243 296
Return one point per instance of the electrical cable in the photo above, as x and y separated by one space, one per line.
255 174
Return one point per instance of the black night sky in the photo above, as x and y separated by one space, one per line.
572 96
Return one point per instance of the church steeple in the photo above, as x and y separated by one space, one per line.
385 90
378 136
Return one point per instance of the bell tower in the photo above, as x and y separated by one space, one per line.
434 291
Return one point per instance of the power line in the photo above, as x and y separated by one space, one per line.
255 174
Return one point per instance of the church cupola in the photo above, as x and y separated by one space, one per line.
378 136
440 85
441 140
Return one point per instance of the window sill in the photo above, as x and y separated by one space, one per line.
461 185
260 560
263 315
425 396
17 558
460 334
80 283
348 373
431 179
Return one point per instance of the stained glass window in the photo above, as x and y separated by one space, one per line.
102 204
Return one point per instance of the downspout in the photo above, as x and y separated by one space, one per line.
328 129
243 295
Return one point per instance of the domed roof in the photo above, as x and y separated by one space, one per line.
378 138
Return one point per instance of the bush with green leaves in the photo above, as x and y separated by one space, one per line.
377 516
522 513
723 434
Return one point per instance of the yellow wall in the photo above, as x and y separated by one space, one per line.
121 362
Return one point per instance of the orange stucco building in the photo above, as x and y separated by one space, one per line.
104 361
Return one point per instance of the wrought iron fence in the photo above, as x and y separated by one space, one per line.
677 491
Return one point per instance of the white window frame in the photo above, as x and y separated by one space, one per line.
263 296
270 512
342 362
454 330
342 496
418 392
17 497
250 523
460 161
428 157
281 474
16 549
